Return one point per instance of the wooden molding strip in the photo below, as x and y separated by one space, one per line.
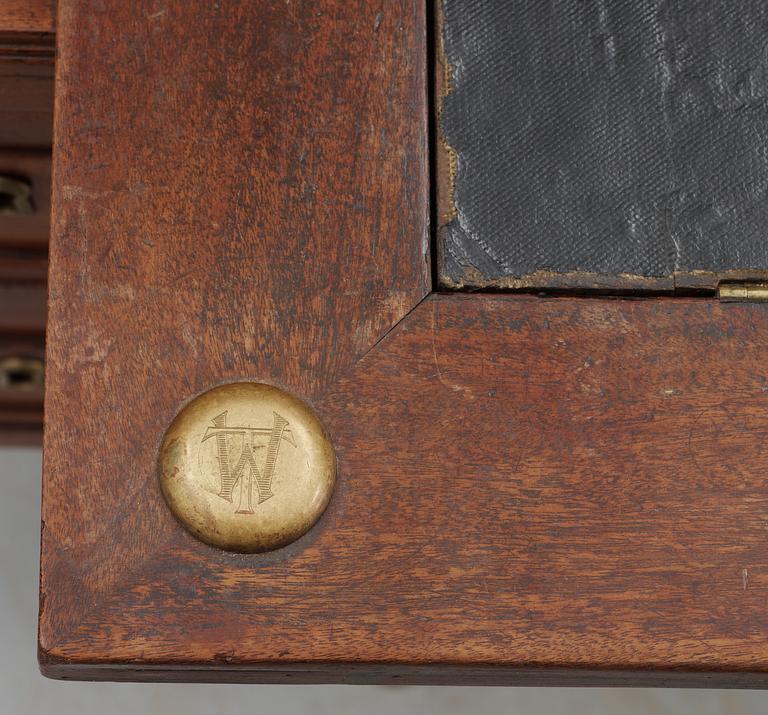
28 16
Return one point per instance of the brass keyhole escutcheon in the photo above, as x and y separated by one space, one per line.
247 467
21 373
15 196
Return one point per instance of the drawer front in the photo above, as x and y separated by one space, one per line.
25 202
26 81
21 387
22 354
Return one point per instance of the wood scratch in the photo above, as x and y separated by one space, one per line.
444 381
434 348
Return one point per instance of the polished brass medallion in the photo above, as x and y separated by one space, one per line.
247 467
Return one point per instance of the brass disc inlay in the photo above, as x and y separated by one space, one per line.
247 467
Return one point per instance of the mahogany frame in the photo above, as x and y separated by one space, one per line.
531 490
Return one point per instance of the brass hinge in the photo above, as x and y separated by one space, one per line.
743 292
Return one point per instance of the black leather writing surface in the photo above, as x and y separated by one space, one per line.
605 136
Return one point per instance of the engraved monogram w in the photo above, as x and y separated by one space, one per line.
246 470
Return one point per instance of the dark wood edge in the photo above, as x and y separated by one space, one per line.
398 674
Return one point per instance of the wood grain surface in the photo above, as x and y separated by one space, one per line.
240 191
36 16
573 489
531 490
